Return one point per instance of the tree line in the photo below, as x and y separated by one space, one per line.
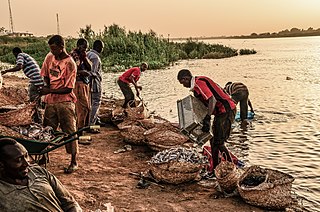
293 32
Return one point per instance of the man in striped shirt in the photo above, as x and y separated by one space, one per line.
240 93
31 69
219 104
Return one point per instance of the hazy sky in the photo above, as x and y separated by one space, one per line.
179 18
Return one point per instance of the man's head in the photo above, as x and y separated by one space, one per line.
228 83
98 45
16 51
14 159
184 77
82 45
56 44
144 66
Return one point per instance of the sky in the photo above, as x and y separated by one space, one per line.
173 18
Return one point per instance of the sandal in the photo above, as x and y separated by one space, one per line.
94 131
70 169
84 142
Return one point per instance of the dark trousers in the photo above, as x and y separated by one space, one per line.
128 94
221 132
34 96
242 97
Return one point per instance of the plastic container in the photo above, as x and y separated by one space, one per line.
191 112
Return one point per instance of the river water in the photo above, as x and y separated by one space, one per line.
284 83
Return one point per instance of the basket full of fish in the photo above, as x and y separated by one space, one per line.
35 132
266 188
8 132
176 165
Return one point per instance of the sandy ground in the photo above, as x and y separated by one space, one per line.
104 178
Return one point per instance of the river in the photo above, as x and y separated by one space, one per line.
284 83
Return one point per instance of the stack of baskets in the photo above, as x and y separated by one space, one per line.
176 165
266 188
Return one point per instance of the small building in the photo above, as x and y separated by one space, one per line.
20 34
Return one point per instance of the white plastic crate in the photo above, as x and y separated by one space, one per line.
191 112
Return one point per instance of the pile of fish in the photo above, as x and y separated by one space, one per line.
36 132
179 154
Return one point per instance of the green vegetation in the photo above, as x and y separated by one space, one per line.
247 51
122 49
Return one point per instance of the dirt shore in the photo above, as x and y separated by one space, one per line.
104 178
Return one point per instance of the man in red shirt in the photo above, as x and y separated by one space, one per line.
219 104
132 75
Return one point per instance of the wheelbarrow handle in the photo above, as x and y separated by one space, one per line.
85 138
93 127
55 146
79 131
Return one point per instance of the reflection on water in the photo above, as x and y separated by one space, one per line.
284 84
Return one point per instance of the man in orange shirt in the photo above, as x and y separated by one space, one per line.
59 71
132 75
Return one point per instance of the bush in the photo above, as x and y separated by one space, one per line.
247 51
213 55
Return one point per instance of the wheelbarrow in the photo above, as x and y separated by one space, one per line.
36 149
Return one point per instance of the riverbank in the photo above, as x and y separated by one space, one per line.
104 177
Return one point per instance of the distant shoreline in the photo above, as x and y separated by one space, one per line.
294 32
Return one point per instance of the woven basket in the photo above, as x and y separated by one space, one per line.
1 79
134 135
158 147
126 124
118 115
227 176
138 112
160 138
105 114
19 117
13 96
273 193
175 172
